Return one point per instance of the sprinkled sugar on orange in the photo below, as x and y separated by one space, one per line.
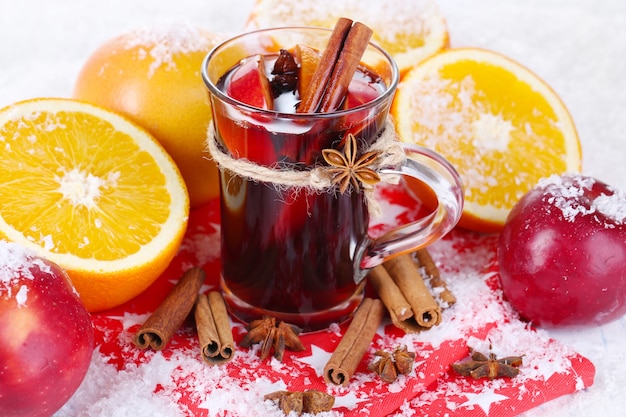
93 192
410 30
500 125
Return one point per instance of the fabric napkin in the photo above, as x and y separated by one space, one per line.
481 319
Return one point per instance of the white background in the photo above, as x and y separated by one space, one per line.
577 46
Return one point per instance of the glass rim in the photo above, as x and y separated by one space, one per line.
214 90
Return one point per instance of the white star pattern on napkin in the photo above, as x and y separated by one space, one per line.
129 320
317 360
483 399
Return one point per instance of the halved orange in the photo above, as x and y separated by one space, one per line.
498 123
409 30
93 192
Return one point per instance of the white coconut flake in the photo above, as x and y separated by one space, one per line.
80 188
565 191
22 296
16 262
105 388
46 242
449 112
494 131
613 206
161 43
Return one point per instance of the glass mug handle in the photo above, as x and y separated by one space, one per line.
437 173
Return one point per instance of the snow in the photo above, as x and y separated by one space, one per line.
576 46
613 206
16 270
165 41
571 194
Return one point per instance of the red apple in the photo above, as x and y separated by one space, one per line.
249 84
562 252
250 139
46 335
360 92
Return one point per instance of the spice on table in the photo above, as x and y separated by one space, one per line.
214 331
354 343
389 365
481 366
309 401
402 289
425 260
280 336
159 328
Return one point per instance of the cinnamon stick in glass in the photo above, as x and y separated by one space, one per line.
338 64
214 331
312 96
159 328
432 271
349 58
354 343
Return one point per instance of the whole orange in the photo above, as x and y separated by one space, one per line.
152 76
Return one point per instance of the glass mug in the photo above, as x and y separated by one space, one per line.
297 254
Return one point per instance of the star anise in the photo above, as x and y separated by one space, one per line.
346 169
285 73
269 334
389 365
309 401
481 366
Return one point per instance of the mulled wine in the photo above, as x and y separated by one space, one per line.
291 249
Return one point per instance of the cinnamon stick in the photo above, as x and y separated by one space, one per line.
216 337
350 350
336 68
159 328
404 293
312 96
426 311
432 271
391 296
345 67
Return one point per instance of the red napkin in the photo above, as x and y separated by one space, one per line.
480 319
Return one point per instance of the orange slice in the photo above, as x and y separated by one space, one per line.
93 192
409 30
499 124
307 58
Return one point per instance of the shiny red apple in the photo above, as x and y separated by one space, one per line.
562 252
46 335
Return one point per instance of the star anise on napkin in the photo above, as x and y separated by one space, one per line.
389 365
280 336
481 366
346 169
309 401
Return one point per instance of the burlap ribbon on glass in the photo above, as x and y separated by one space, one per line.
318 179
